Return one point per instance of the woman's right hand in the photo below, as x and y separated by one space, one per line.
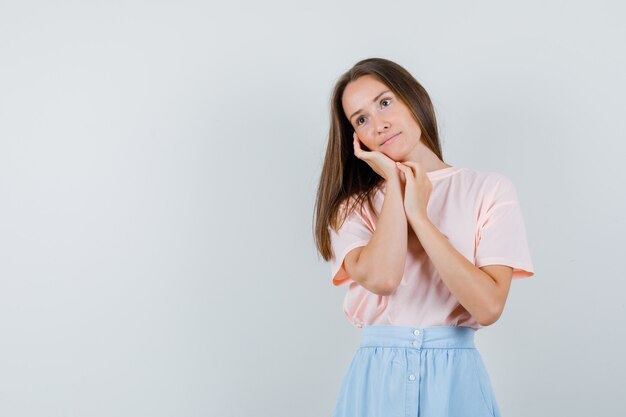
378 161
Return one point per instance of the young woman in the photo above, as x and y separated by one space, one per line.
427 261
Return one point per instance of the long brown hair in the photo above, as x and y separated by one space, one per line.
344 176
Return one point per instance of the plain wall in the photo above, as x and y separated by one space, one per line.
158 169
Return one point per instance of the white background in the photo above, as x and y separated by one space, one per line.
158 169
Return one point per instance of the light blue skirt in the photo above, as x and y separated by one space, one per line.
401 371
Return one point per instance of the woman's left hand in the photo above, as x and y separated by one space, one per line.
417 188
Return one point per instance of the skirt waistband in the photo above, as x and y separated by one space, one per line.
442 337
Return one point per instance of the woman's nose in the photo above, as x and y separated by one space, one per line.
382 125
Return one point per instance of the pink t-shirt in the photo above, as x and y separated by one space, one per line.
480 215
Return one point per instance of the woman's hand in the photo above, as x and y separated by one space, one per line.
378 161
417 189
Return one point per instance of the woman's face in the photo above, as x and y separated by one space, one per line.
377 114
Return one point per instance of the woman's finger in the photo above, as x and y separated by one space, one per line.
408 173
415 166
357 146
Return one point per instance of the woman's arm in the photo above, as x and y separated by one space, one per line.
482 291
380 265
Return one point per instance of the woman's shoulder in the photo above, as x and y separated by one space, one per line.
484 176
490 185
485 184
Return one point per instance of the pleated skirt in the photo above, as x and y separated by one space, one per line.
400 371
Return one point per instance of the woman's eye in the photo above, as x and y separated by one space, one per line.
382 101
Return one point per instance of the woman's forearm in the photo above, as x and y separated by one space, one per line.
473 288
382 261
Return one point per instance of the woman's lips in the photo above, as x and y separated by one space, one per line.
390 139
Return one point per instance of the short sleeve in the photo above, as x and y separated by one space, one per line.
501 232
354 232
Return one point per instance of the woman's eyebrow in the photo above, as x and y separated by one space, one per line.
373 101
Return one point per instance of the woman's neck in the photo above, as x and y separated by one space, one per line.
426 158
